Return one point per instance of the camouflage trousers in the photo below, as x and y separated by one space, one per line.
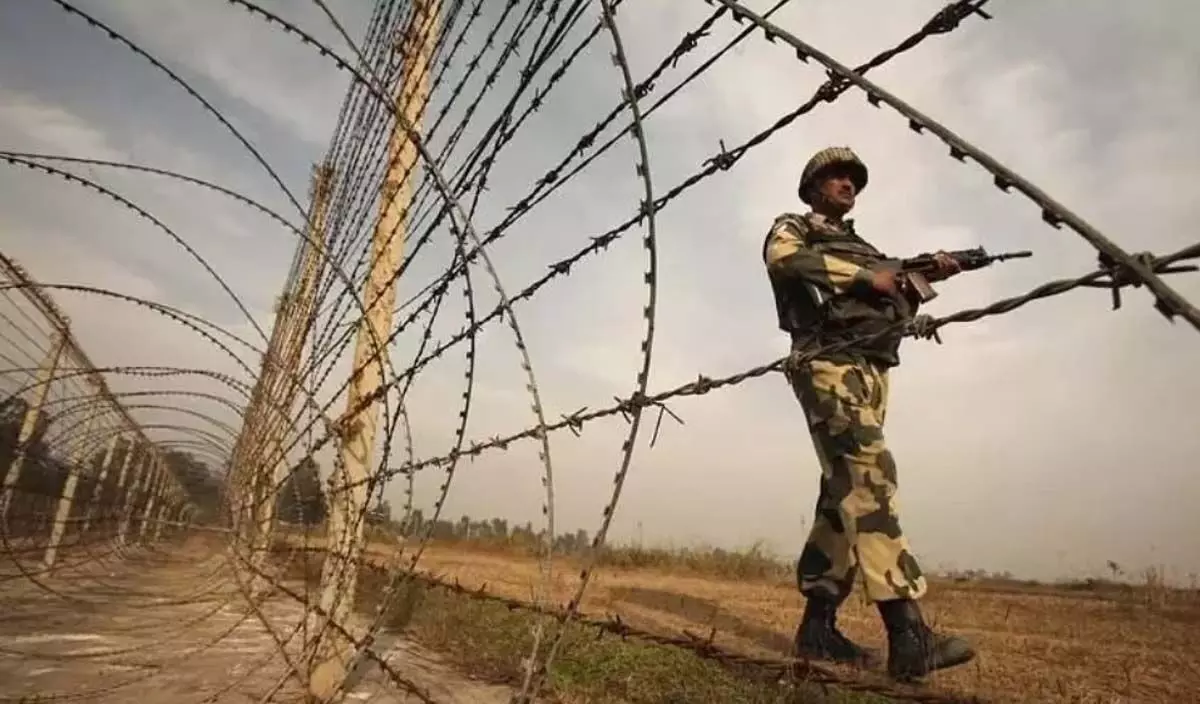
856 527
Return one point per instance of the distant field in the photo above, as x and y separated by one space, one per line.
1038 643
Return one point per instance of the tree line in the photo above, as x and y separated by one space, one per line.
497 530
301 500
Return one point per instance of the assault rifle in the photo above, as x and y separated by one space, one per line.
912 271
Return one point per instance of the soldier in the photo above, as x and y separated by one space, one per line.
830 288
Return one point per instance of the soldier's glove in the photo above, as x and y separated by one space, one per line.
925 327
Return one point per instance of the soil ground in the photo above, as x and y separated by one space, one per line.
170 625
1041 644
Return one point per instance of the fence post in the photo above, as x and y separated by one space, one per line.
98 488
131 499
41 389
157 485
66 500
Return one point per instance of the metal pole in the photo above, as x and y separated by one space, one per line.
139 484
66 499
45 375
164 508
348 493
120 493
257 455
157 486
284 382
98 489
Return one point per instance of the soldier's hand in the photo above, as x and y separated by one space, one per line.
947 266
884 281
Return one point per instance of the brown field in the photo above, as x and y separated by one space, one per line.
1038 643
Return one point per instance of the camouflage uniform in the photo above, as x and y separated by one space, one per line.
844 395
821 274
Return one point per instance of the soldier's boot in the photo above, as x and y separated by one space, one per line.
914 649
818 637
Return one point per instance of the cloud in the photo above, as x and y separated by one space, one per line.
1056 426
283 84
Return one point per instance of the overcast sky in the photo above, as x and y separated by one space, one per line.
1043 442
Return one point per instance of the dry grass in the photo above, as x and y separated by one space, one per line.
488 641
1093 641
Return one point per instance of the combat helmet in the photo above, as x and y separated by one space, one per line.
831 156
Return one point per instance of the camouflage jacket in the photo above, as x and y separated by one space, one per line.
820 272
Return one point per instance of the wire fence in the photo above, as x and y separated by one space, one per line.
309 420
79 472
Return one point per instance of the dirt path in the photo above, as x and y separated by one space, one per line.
171 626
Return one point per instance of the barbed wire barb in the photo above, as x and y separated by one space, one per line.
223 523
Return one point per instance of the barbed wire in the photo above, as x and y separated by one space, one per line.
199 502
1100 278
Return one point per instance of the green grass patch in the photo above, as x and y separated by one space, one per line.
488 641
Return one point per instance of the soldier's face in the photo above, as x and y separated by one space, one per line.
837 189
